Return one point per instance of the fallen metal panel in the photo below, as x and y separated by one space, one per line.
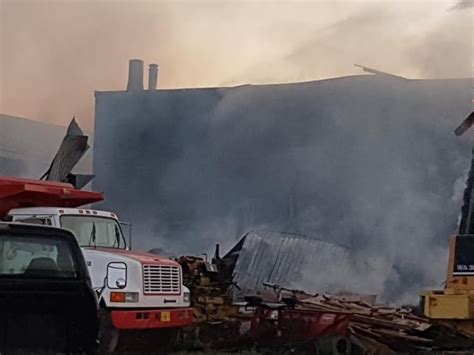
379 72
72 149
285 259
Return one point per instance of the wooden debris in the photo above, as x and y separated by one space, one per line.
381 329
374 329
209 294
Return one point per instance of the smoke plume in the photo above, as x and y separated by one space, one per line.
368 162
54 54
463 4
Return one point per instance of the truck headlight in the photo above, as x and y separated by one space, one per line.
124 297
187 297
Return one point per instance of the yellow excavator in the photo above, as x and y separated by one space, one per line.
454 305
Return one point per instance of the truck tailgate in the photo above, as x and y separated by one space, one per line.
50 320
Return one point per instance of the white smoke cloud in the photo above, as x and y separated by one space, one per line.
69 49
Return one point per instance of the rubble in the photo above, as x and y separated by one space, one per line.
210 294
382 329
288 259
373 328
217 319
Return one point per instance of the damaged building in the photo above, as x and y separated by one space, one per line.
27 147
366 161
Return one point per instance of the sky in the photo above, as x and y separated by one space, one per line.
54 54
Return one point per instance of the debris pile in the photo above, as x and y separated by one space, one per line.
381 329
210 294
217 320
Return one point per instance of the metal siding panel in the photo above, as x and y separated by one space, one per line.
282 259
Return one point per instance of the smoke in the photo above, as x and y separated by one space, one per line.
366 162
63 51
453 37
369 164
463 4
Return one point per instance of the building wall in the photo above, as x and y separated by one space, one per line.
369 162
27 147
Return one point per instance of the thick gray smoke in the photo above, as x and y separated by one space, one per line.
367 162
463 4
81 46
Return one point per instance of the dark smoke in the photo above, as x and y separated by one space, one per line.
366 162
463 4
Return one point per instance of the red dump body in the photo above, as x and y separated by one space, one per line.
285 325
17 193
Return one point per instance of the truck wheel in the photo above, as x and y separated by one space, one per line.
108 334
335 345
167 338
149 341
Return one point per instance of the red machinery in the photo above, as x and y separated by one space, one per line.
17 193
302 331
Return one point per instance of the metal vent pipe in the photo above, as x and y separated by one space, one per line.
135 75
152 77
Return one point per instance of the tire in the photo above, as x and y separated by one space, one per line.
342 346
149 341
164 339
334 345
108 334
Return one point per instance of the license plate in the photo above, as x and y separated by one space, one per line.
165 316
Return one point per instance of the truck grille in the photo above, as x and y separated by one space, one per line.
161 279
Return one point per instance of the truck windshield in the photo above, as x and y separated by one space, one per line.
93 231
36 257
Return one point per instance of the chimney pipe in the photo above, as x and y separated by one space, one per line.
152 77
135 75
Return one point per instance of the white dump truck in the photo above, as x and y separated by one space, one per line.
139 293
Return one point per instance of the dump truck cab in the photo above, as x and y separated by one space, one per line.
47 303
125 279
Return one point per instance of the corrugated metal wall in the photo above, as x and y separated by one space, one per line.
288 260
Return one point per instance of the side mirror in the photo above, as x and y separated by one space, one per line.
116 275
